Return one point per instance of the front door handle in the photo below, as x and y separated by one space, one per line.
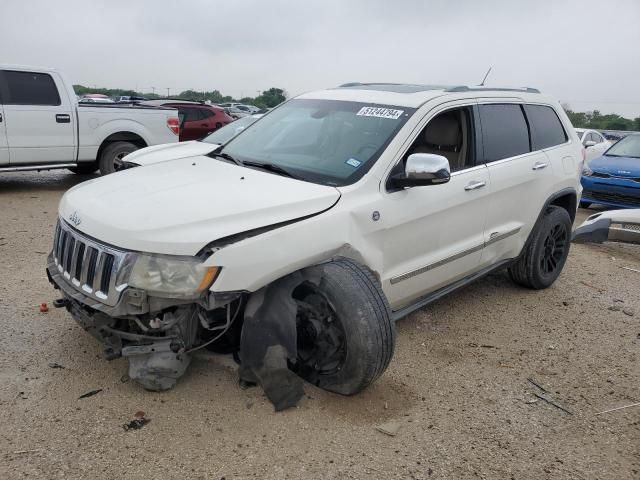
539 166
63 118
475 185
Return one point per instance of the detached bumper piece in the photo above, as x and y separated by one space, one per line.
612 226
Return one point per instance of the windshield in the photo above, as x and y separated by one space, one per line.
629 146
323 141
226 133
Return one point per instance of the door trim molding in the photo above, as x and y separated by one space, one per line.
495 238
431 297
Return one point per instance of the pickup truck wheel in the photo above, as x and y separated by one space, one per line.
85 168
345 333
111 159
546 251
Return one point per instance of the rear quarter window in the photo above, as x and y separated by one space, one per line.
546 128
29 88
191 114
504 131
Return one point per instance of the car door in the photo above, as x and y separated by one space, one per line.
521 174
601 146
208 122
591 151
433 234
38 118
4 145
192 127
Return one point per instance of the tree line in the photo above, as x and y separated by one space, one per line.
597 121
267 99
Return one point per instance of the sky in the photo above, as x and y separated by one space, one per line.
585 53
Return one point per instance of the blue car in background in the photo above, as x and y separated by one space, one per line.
614 178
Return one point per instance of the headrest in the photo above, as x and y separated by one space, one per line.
444 131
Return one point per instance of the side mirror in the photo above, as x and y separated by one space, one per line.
589 143
423 169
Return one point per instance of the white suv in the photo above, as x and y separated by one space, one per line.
298 243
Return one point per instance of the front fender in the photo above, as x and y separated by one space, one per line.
254 262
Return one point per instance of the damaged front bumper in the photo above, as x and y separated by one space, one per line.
155 334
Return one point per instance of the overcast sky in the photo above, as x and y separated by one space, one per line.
586 53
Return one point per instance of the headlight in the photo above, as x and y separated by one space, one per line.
171 276
586 171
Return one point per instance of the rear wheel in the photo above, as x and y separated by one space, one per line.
546 251
112 157
85 168
345 333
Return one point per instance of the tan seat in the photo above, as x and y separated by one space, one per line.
443 136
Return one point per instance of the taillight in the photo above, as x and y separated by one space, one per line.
174 125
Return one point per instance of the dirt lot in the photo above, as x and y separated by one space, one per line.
457 384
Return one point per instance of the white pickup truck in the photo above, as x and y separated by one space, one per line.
43 127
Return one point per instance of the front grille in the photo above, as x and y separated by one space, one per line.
609 175
88 265
611 197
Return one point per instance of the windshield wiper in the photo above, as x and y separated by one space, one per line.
271 167
226 156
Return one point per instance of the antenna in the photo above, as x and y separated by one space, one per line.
485 77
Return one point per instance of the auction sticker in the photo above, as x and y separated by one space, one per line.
354 162
380 112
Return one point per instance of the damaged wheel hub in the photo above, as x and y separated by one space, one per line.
320 336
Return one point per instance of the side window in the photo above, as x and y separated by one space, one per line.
504 131
449 134
207 113
27 88
597 138
191 114
546 128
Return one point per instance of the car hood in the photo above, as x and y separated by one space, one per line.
179 206
616 166
169 151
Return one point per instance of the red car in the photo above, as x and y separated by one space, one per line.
197 120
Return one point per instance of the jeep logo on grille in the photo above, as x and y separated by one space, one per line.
75 219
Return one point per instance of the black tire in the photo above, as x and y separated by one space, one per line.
546 251
85 168
111 157
585 204
363 315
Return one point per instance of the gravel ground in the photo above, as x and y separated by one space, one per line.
457 385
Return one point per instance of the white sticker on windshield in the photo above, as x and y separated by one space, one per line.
380 112
355 163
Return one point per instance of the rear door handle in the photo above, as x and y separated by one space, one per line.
475 185
63 118
539 166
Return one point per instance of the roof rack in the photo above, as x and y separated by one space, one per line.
464 88
361 84
456 88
